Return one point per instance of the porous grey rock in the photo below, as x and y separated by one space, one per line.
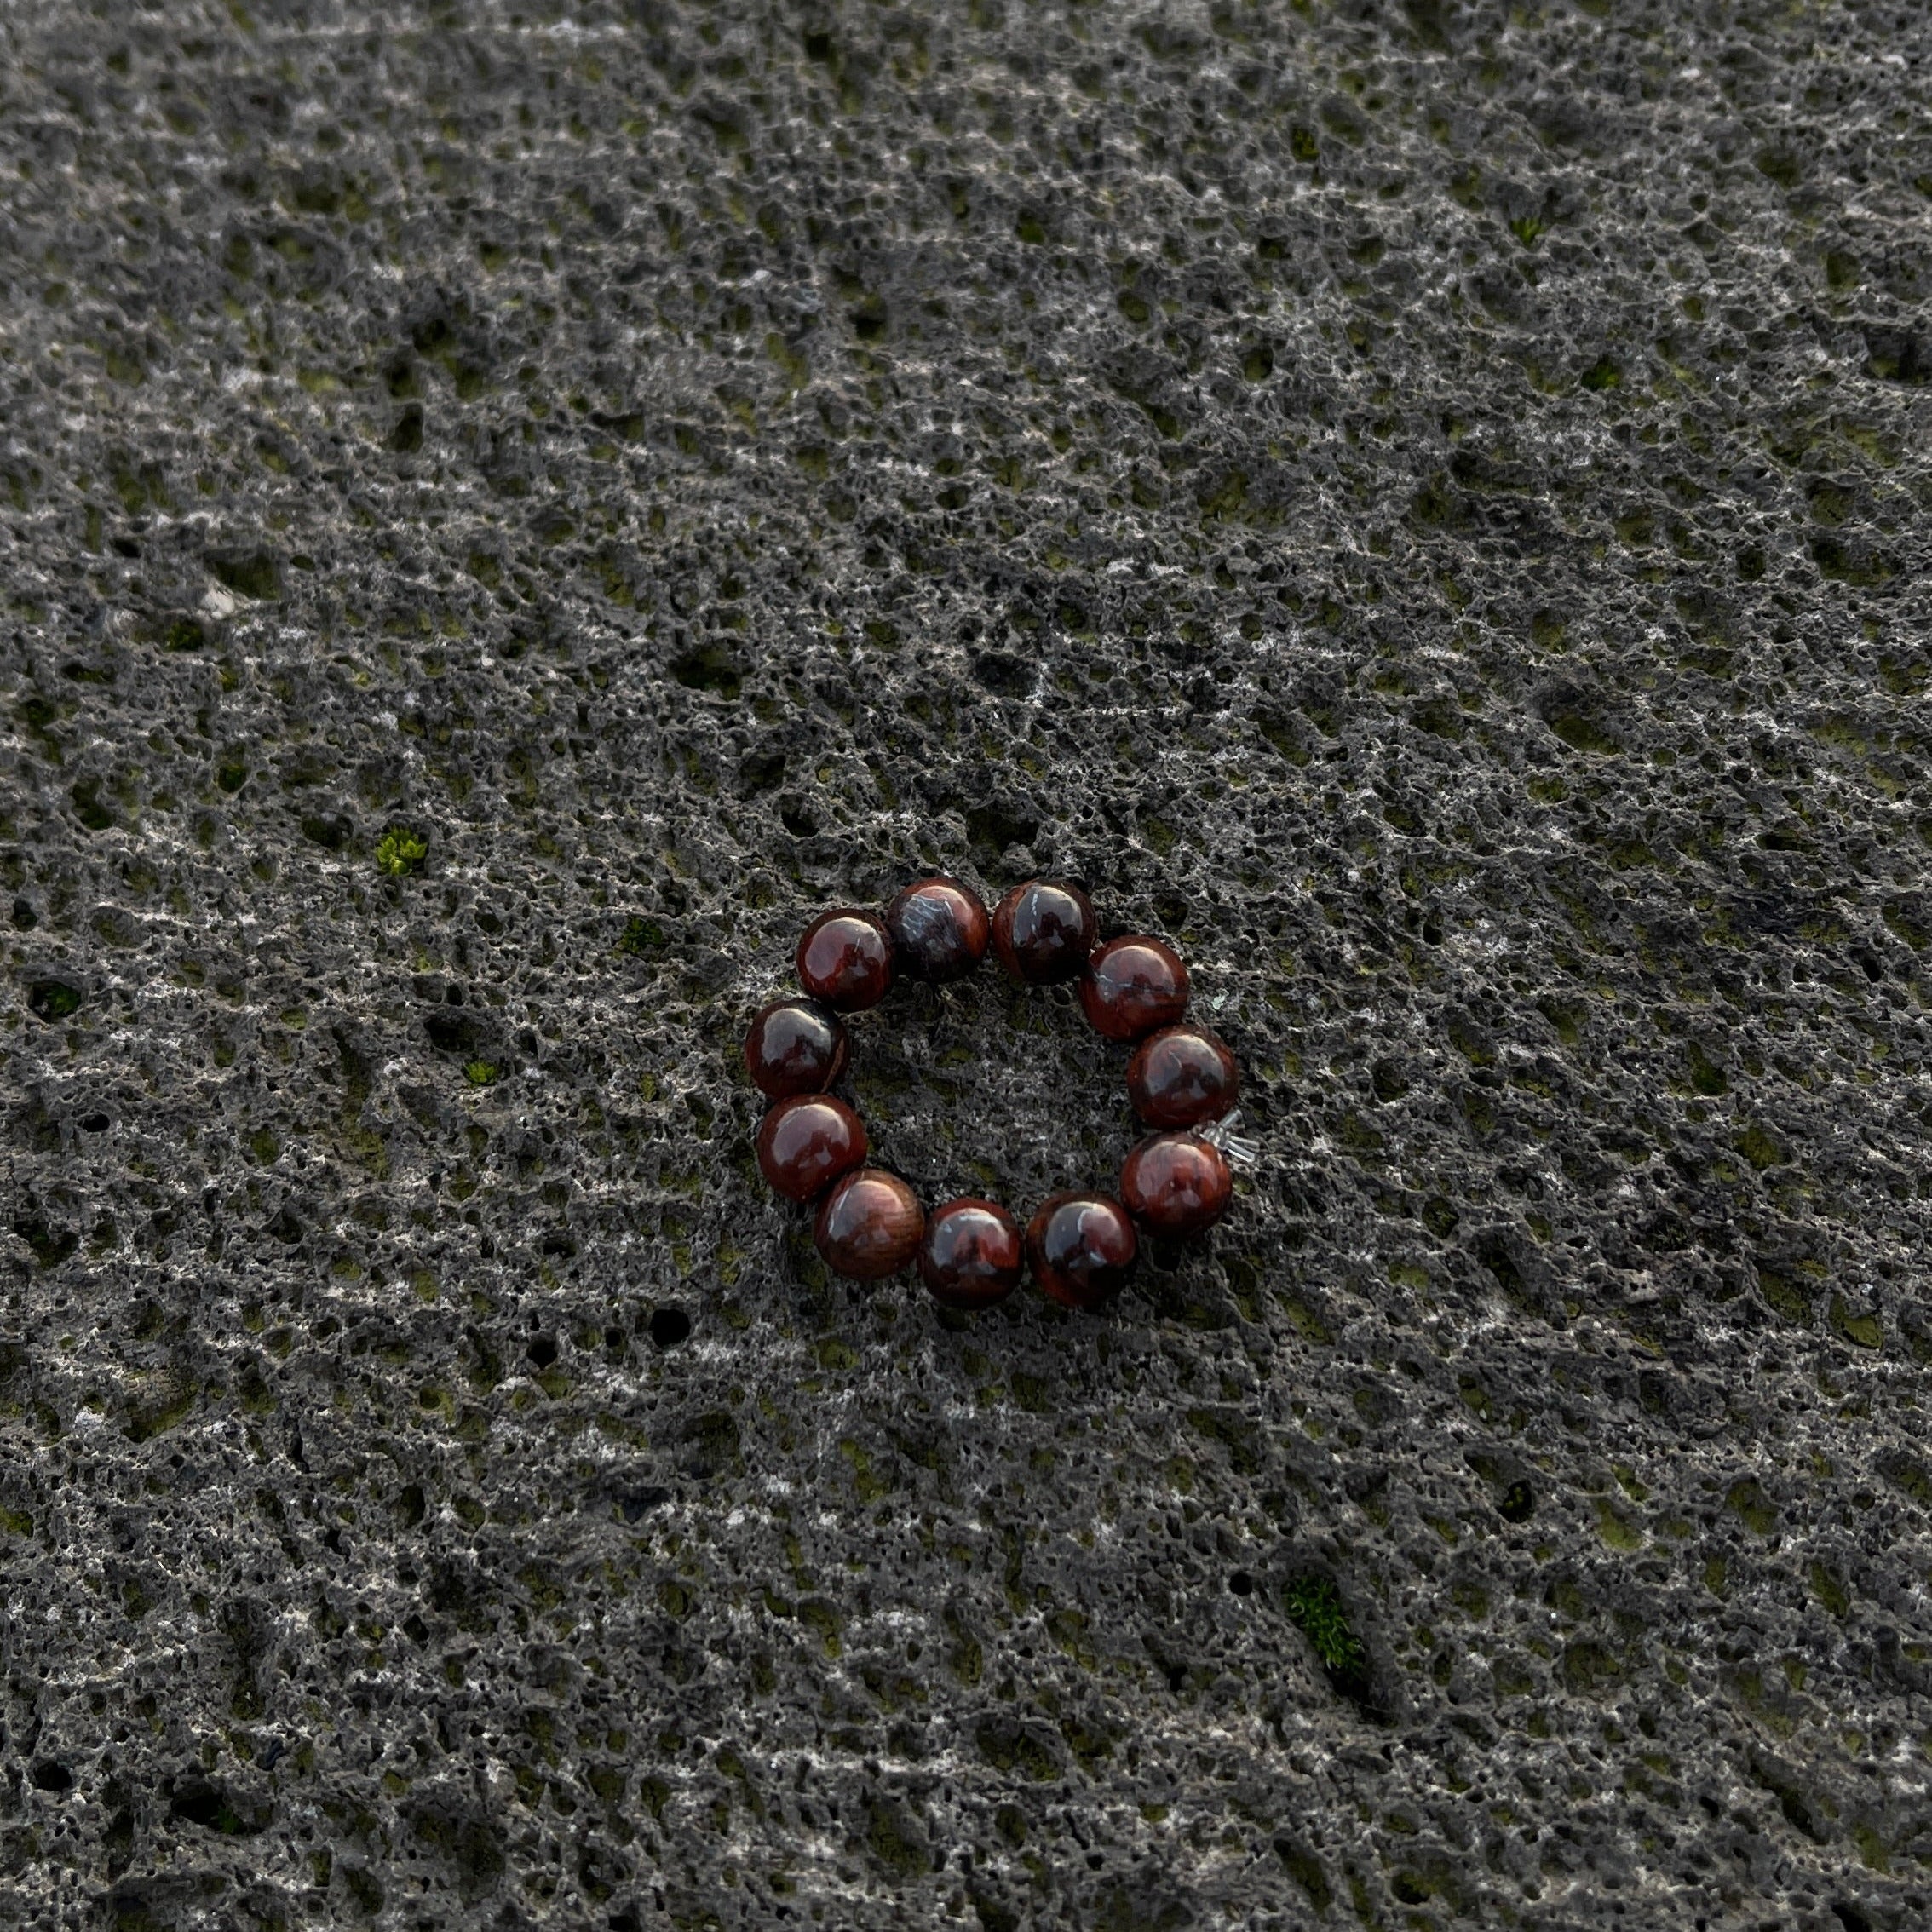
1422 504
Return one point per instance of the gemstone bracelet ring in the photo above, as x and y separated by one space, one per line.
1081 1247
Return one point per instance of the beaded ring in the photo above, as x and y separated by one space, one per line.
1181 1081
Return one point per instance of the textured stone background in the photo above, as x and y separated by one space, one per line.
1423 504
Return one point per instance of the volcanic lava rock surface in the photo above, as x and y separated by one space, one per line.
508 508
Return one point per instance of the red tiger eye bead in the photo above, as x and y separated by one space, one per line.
795 1046
807 1142
940 927
1131 986
869 1225
971 1256
845 959
1176 1184
1183 1075
1082 1249
1044 930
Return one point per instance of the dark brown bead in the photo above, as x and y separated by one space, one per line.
1082 1249
971 1256
1181 1076
940 926
869 1225
1132 985
795 1046
806 1144
1044 930
1176 1184
845 959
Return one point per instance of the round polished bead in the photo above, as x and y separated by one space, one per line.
845 959
1082 1249
807 1142
1132 985
1181 1076
971 1256
869 1225
1044 930
795 1046
1176 1184
940 926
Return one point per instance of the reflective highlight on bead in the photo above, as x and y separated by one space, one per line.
805 1143
1132 985
971 1256
795 1046
869 1225
845 959
1182 1076
1176 1184
1044 930
940 928
1081 1248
